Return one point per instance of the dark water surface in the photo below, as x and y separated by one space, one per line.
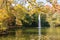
32 34
25 34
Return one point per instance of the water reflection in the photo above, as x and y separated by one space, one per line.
20 35
32 34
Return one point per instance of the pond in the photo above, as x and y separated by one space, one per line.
22 34
32 34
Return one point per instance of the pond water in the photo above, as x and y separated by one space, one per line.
32 34
22 34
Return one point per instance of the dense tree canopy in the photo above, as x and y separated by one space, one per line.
10 8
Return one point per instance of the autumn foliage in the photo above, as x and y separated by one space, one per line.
19 12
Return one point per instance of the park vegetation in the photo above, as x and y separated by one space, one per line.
10 15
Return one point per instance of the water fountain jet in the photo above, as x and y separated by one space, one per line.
39 26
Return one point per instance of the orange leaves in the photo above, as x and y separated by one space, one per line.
54 8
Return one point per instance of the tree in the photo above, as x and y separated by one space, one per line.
5 14
53 19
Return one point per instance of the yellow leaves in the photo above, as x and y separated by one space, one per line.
33 11
18 22
20 7
33 0
3 14
48 19
1 2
